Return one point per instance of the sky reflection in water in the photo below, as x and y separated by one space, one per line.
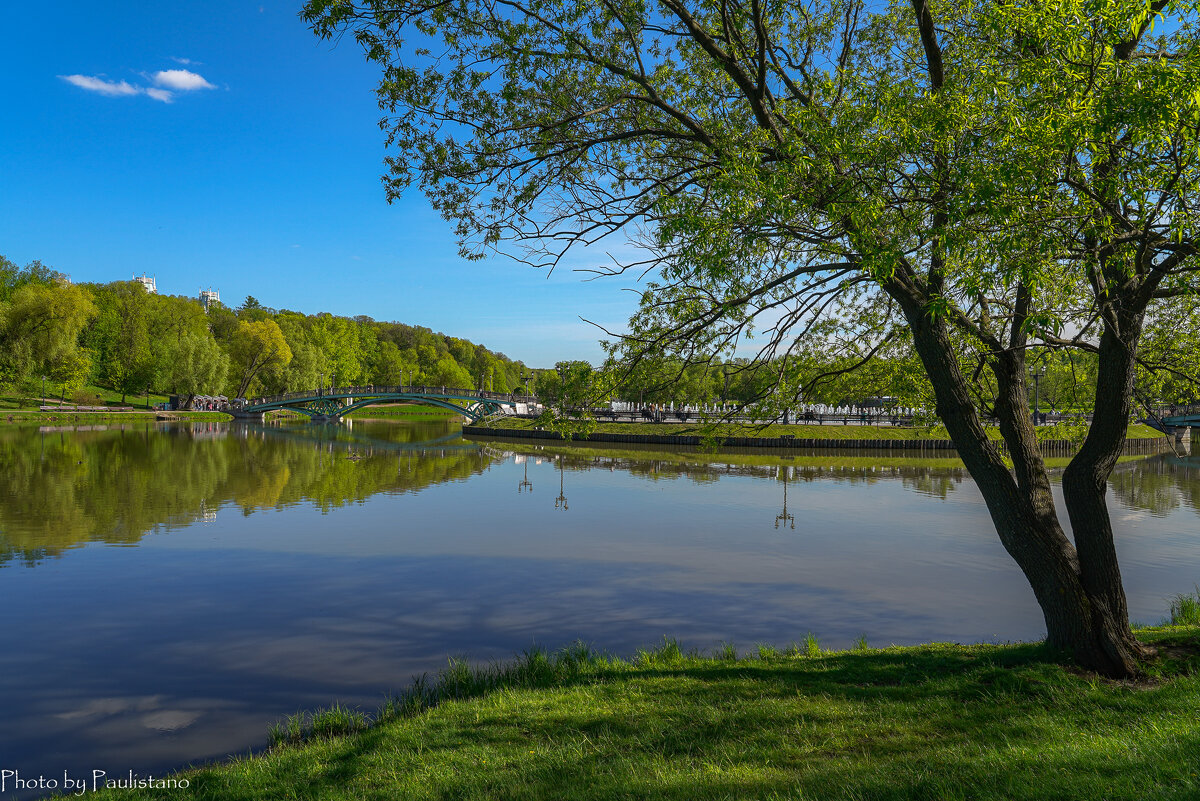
170 591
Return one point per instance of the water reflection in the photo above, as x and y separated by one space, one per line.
61 488
302 565
784 517
561 501
1158 485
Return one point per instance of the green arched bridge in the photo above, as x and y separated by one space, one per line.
335 402
1182 416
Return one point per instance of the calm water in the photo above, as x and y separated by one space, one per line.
169 591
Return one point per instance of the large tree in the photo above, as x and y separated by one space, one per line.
39 333
255 347
989 180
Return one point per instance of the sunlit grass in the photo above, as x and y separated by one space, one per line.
1185 609
932 722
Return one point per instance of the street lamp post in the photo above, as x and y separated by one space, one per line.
43 390
147 398
320 383
1036 374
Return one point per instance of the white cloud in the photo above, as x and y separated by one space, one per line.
181 80
184 61
166 84
101 86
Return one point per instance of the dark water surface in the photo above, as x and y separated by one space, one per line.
168 591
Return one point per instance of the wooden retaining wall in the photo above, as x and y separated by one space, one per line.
1055 447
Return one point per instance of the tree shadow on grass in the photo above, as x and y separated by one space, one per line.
952 722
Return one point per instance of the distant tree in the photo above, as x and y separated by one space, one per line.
199 366
256 346
393 365
39 330
13 277
121 337
448 373
570 384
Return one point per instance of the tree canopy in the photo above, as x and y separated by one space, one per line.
120 336
976 183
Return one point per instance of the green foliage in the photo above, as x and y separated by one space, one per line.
40 326
120 336
257 346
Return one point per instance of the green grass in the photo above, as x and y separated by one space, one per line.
24 407
807 431
29 398
109 417
410 412
407 411
1185 609
930 722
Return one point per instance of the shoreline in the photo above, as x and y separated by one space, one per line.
1051 447
670 723
140 415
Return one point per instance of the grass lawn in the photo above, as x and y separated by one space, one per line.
407 411
30 399
1136 431
930 722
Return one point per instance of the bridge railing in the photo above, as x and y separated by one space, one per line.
367 390
1178 410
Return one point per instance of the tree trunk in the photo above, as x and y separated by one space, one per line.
1085 485
1082 601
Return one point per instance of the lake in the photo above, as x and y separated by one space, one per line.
170 590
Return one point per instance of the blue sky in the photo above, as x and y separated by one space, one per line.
222 144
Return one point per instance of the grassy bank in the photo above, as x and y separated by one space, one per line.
685 456
399 411
809 431
406 411
90 395
88 418
929 722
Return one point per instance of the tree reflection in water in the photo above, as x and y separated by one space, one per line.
62 488
65 487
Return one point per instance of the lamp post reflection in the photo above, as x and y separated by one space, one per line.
561 501
525 483
784 517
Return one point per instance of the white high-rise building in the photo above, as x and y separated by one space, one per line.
147 282
208 296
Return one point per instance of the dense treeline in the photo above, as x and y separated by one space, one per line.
120 336
1065 382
